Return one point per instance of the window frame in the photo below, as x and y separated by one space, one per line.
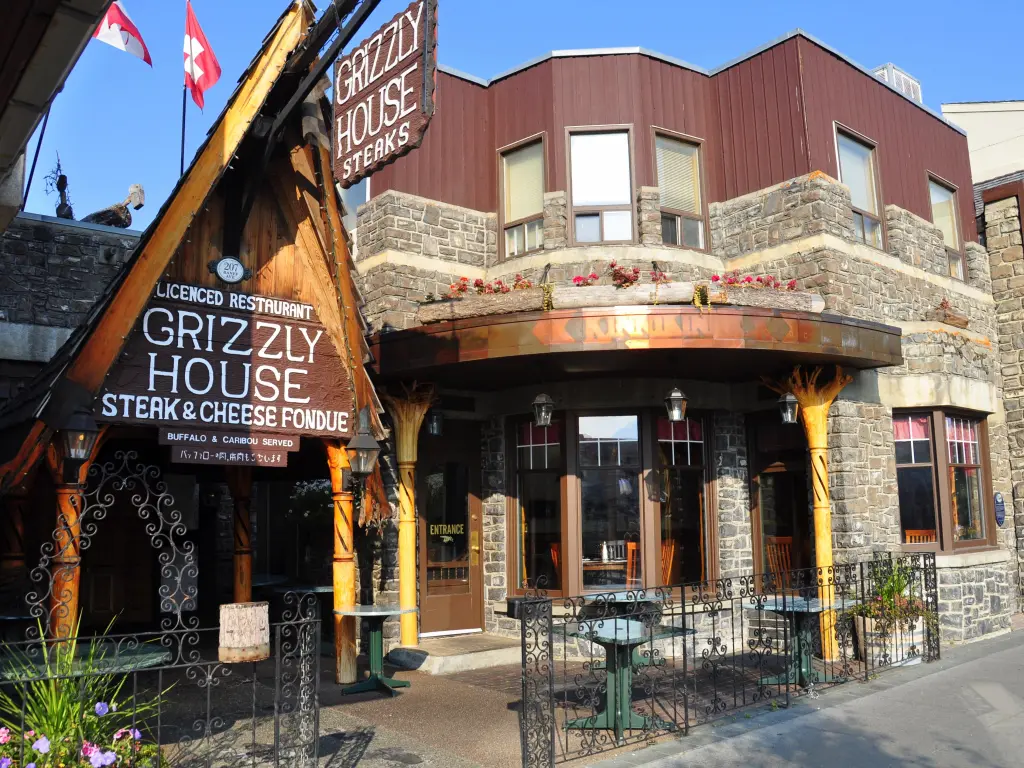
657 131
860 138
956 253
540 136
574 210
945 543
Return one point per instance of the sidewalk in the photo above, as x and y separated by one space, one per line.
965 710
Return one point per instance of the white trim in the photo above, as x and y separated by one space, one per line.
450 632
971 559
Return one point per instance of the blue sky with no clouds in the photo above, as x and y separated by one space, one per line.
118 121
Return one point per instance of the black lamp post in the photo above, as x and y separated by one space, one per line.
675 404
79 437
543 409
362 451
789 408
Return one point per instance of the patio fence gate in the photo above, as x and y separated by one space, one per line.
158 698
605 670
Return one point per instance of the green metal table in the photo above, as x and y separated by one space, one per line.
619 637
376 615
641 605
802 613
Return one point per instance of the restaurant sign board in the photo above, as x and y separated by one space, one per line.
229 374
384 93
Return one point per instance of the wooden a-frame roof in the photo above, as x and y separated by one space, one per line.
76 373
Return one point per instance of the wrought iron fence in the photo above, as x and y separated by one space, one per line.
605 670
163 699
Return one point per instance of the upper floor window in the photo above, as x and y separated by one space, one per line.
602 190
857 171
523 192
682 218
944 217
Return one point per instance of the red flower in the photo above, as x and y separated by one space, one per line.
592 276
791 285
760 279
748 279
478 282
715 278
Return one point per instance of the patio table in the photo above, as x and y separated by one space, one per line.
619 637
376 615
802 613
106 661
630 604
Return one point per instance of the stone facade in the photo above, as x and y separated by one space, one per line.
556 221
648 216
54 270
915 241
735 542
976 596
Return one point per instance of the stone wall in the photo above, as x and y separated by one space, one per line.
556 220
975 597
403 222
735 541
648 216
862 481
54 270
808 205
915 241
492 459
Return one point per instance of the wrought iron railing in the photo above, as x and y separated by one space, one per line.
605 670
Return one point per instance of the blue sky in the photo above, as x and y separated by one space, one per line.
118 121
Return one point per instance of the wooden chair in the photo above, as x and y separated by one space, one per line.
668 554
632 563
556 556
779 550
920 536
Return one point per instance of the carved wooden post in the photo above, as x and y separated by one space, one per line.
344 565
814 401
408 413
240 484
66 568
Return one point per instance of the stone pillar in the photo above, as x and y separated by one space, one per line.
735 539
407 414
344 564
556 221
492 453
648 214
1003 235
240 483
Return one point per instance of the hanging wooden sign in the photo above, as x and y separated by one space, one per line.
229 362
384 93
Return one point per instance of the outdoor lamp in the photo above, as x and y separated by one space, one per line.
789 408
362 454
543 409
675 404
79 436
435 423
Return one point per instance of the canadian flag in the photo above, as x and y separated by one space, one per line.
117 29
202 70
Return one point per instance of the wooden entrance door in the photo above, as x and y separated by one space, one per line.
450 529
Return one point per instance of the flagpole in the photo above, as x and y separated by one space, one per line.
184 102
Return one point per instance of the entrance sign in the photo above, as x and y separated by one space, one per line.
204 362
384 93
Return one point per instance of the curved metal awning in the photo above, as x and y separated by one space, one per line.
724 344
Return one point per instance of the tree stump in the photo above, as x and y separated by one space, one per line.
244 632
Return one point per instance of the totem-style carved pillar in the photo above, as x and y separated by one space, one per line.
407 413
344 563
240 484
814 401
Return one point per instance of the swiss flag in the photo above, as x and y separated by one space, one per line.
118 30
202 70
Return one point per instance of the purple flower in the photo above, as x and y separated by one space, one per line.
100 759
41 745
102 708
31 765
5 762
136 734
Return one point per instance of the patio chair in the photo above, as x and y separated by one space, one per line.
779 550
632 563
920 536
668 555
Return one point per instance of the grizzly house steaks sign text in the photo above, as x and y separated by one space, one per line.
384 93
231 361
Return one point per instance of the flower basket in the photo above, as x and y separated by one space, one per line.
889 643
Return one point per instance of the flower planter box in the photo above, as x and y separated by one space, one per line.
948 317
889 646
476 305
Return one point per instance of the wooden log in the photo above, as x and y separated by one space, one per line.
770 298
573 297
528 300
244 632
949 317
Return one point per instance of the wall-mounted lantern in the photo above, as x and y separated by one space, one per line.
543 410
675 405
789 408
435 423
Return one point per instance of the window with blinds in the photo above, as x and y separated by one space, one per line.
678 165
523 180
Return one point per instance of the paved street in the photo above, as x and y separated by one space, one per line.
966 710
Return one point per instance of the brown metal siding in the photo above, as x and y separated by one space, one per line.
910 142
454 162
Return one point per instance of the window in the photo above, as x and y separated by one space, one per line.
609 479
682 217
945 218
602 191
523 192
857 171
539 468
685 547
941 479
